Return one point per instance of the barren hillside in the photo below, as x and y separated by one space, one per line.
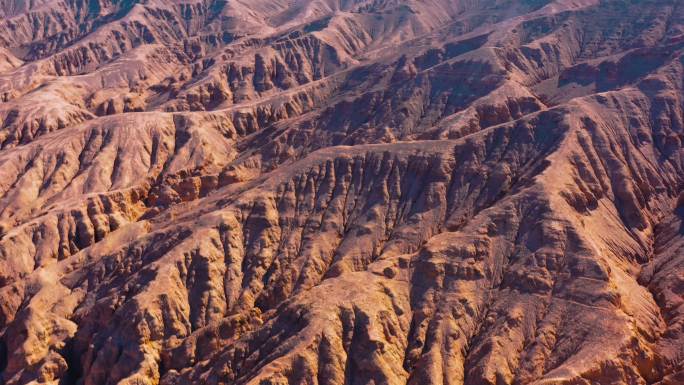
321 192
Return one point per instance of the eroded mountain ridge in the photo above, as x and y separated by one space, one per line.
341 192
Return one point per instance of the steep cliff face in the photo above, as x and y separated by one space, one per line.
341 192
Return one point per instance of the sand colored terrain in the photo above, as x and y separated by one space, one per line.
341 192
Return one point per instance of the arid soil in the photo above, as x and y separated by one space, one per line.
348 192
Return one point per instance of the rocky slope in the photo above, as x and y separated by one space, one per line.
341 192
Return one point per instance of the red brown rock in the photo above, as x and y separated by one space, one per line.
341 192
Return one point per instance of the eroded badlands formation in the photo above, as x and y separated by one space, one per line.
341 192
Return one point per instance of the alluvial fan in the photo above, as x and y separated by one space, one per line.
285 192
